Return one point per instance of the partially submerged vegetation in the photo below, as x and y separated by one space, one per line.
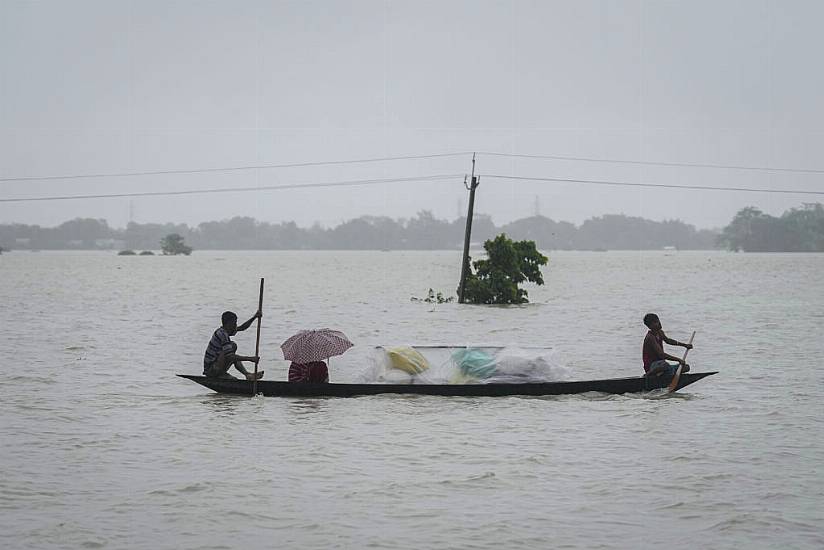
129 252
173 245
433 297
508 264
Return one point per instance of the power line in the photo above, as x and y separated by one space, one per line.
408 157
230 169
660 185
432 177
654 163
350 183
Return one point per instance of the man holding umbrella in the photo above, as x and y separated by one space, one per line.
308 348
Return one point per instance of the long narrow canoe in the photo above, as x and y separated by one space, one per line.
287 389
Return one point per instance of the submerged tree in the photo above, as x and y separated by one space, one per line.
508 263
172 245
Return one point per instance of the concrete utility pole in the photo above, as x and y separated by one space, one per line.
474 182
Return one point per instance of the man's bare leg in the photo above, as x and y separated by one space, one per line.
249 375
220 368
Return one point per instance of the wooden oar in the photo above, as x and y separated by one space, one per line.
257 340
674 384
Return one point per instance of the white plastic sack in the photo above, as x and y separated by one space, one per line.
514 365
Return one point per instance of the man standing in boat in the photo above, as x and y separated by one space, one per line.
221 351
655 358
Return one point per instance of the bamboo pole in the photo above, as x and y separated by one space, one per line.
257 340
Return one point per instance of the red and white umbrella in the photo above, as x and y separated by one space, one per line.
315 345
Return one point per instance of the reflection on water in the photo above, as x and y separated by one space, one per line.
225 405
307 406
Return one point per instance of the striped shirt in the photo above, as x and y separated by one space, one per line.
220 342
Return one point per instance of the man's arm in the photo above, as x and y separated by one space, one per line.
230 352
661 353
248 323
672 342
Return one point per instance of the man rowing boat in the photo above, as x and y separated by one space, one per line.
221 351
655 358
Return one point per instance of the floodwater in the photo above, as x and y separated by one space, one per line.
103 447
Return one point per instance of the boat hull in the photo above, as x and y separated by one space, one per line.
290 389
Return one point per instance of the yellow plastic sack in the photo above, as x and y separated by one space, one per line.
407 359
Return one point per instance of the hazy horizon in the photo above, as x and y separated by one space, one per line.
112 87
332 225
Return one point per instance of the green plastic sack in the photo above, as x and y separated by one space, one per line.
474 362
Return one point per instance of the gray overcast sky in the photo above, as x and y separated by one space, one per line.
116 86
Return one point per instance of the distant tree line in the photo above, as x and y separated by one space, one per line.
797 230
422 232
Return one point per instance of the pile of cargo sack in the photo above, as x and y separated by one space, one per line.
464 365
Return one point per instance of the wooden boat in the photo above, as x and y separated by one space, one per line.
287 389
